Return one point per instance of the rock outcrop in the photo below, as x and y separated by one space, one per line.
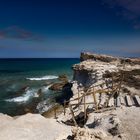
94 66
31 127
89 72
96 57
106 58
109 125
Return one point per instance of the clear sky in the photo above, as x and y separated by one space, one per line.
64 28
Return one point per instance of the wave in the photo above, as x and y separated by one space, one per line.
12 88
46 88
24 98
44 106
49 77
31 93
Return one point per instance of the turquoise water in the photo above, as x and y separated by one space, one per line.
20 80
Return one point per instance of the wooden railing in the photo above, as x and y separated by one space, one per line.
81 99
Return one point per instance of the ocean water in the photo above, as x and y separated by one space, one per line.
20 80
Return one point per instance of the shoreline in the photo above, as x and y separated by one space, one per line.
99 120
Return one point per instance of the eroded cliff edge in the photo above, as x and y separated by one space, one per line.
93 68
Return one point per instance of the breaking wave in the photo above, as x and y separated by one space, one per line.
28 95
46 88
24 98
49 77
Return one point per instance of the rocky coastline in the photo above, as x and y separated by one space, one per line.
92 71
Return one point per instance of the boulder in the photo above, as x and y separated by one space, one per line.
63 78
57 86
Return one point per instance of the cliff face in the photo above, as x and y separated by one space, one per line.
90 72
95 57
93 66
106 58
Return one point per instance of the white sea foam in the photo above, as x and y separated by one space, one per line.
24 98
30 93
46 88
49 77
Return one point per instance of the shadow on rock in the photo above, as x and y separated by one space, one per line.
66 94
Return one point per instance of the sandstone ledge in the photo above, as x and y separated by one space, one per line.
31 127
106 58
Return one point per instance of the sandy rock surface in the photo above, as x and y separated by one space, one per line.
31 127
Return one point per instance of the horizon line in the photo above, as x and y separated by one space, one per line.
39 58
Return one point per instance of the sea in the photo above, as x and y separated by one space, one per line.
21 79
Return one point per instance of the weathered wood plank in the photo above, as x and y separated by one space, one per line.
137 99
73 117
128 100
122 100
104 109
85 112
118 103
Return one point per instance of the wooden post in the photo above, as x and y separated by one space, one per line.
85 113
122 74
72 113
94 98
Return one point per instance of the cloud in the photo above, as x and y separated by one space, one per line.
128 9
16 32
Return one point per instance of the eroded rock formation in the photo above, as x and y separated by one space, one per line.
106 58
31 127
94 66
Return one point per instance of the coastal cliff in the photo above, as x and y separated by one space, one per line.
115 124
93 67
106 58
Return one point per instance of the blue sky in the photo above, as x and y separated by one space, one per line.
64 28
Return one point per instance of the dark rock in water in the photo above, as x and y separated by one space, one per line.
40 92
25 88
66 94
47 106
57 86
19 92
63 78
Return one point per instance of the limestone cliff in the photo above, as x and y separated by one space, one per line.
94 66
106 58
